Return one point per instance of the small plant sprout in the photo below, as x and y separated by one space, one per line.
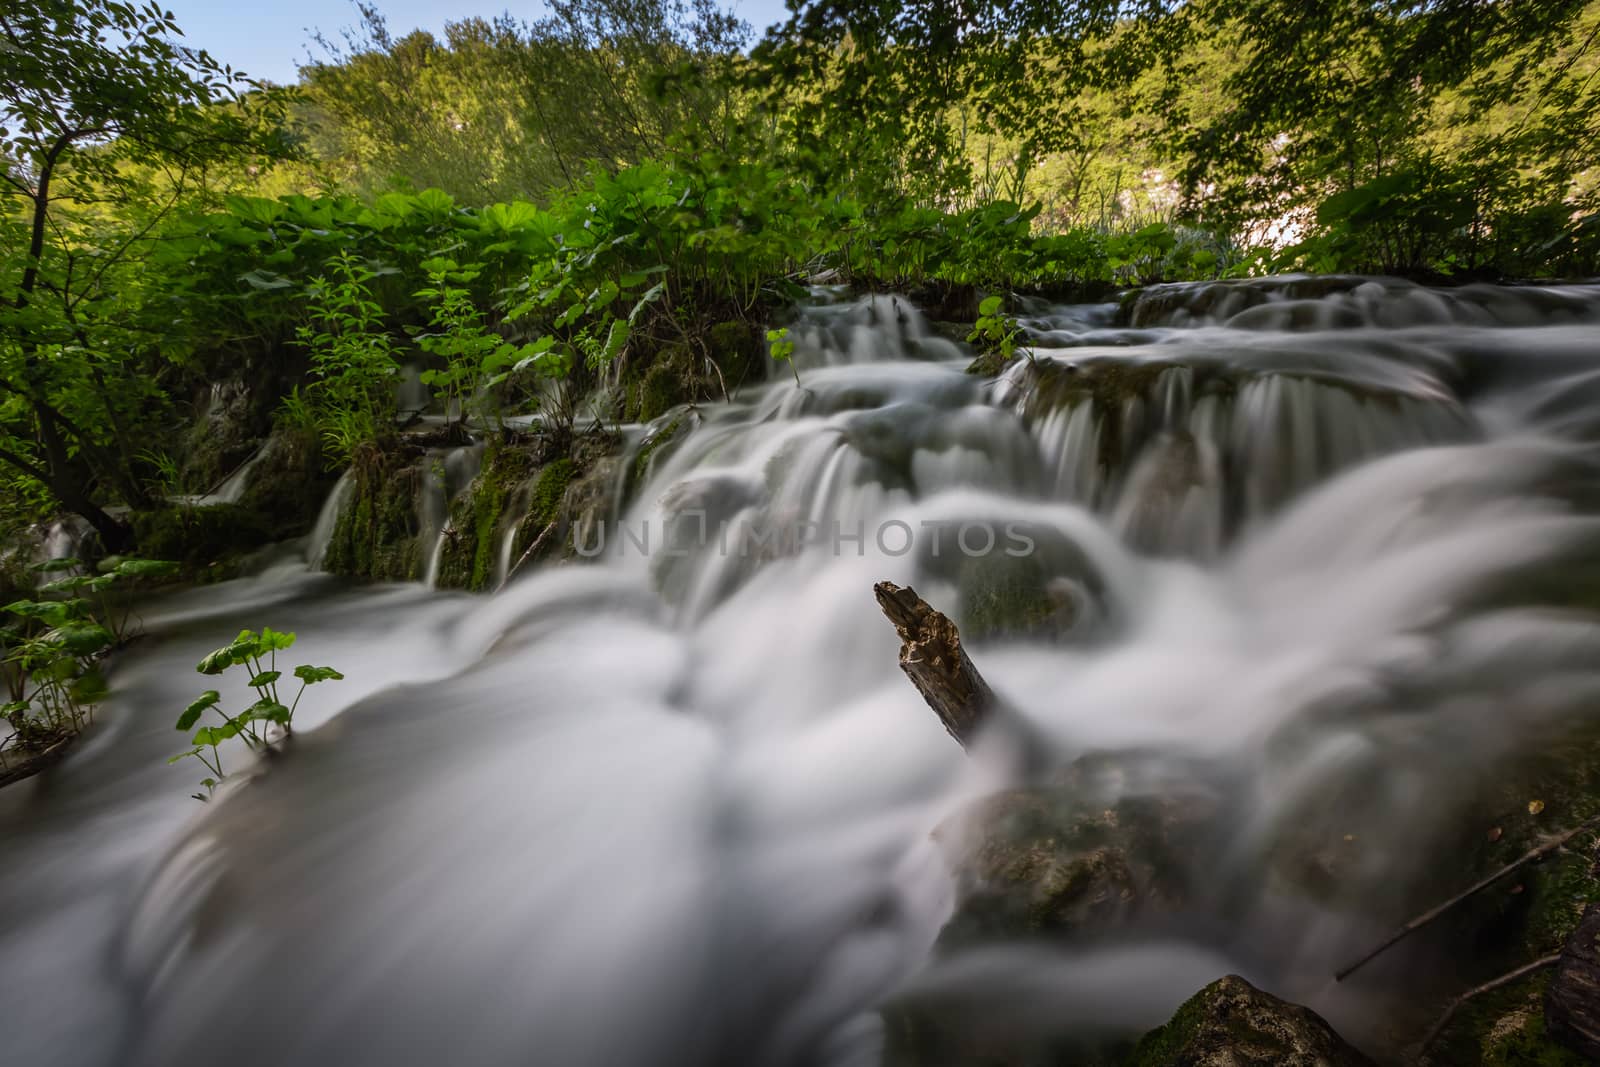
265 721
782 349
995 331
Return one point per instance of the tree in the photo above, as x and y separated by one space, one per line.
501 109
1419 123
106 124
890 94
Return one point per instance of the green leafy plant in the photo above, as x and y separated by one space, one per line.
995 332
353 357
781 348
53 644
262 723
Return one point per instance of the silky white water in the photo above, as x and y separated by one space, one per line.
673 806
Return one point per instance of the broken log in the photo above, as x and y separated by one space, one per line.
932 657
1572 1001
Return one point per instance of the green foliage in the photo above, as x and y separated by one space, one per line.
995 333
52 644
1404 138
353 358
487 110
782 349
260 724
107 128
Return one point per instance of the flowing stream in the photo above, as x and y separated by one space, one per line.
1314 545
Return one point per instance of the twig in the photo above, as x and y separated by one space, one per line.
1433 913
1488 987
526 555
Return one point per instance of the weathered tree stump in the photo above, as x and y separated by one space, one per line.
932 657
1572 1002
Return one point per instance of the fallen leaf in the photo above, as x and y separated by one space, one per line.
1496 834
1535 807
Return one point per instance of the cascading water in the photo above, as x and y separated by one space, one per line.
674 807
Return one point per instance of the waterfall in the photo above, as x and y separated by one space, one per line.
1308 551
327 519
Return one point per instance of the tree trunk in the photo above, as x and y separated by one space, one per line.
932 657
70 486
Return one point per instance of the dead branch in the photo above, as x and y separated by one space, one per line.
1477 991
1433 913
932 657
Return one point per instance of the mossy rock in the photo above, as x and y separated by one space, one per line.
480 514
1049 861
668 382
376 535
289 485
990 364
222 439
737 347
202 538
1005 596
1231 1023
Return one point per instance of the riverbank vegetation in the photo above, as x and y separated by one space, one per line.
429 202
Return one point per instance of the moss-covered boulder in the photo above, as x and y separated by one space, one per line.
1050 862
377 533
1009 597
660 439
737 348
1231 1023
288 485
208 540
225 435
667 381
491 509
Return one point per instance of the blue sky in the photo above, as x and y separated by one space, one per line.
266 40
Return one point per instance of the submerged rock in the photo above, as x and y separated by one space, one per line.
1051 861
1231 1023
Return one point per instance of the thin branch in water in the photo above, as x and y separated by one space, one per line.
1490 986
1435 912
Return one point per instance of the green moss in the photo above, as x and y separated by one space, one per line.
550 489
1165 1043
664 387
200 537
477 516
987 365
736 347
1504 1028
1006 596
287 487
1232 1022
377 535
